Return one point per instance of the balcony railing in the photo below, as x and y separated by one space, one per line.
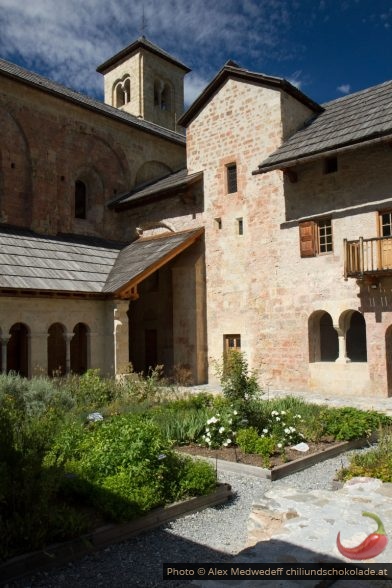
368 257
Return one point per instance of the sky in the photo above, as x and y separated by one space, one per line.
327 48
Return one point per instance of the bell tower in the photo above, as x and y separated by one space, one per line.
146 82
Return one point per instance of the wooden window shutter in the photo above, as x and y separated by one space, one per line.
308 238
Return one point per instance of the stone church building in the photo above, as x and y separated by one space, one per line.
267 227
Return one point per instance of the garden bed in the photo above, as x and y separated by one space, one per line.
61 553
280 465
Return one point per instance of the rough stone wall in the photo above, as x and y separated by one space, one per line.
258 286
51 144
241 124
351 196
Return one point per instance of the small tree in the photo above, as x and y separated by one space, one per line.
238 384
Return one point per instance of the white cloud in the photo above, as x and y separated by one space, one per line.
68 39
295 80
344 88
194 85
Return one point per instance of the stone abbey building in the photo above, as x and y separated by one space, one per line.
267 229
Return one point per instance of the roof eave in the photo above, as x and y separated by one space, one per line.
180 139
291 162
157 195
132 48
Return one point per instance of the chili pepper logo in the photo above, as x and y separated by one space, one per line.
373 545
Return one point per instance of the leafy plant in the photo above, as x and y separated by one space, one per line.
238 383
220 429
350 423
375 463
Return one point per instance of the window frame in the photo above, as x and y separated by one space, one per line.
310 238
231 182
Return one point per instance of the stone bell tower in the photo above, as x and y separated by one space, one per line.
147 82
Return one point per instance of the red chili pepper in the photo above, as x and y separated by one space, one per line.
370 547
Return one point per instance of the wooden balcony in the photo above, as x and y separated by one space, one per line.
368 257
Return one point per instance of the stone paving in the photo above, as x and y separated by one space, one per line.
288 526
365 403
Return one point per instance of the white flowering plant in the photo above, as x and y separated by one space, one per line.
282 426
221 429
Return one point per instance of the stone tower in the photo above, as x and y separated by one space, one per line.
147 82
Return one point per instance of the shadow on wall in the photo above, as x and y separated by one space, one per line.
375 299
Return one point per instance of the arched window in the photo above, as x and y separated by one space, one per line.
323 338
356 338
79 349
18 350
166 98
80 199
56 350
122 92
162 95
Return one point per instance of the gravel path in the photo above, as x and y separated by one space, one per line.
212 535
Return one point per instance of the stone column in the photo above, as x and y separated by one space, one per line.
117 341
68 338
342 347
4 343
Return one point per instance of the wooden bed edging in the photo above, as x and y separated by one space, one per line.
308 460
61 553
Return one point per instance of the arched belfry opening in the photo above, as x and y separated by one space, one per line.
146 81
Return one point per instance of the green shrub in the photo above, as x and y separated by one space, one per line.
197 478
350 423
180 426
238 384
221 428
375 463
247 439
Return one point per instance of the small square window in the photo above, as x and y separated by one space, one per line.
218 223
324 230
232 342
240 226
330 165
315 237
231 171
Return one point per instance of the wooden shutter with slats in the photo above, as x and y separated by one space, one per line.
308 238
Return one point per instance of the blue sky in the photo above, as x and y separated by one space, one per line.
328 48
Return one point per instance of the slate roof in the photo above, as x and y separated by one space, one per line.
347 121
167 184
142 256
78 264
144 43
63 263
32 79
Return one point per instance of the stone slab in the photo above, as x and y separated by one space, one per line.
290 526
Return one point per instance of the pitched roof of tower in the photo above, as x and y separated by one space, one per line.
140 43
30 78
234 71
345 123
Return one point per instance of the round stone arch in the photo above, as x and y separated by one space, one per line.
15 172
353 325
18 349
323 337
150 171
80 349
57 350
388 358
